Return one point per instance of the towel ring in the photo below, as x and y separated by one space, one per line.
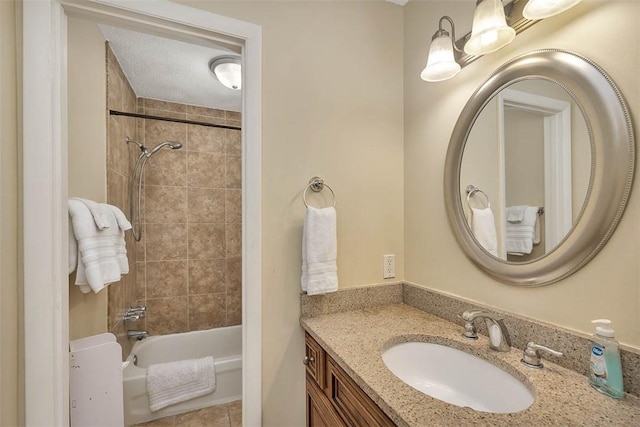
471 190
316 184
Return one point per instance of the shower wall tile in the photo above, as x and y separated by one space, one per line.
166 279
205 170
157 104
233 240
206 205
233 204
165 204
167 315
234 275
204 138
192 220
116 189
166 242
204 111
157 131
207 276
206 241
233 178
234 308
166 167
207 311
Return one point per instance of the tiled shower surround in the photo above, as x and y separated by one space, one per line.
188 266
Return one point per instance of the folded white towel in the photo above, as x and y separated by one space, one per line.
515 214
319 251
99 211
174 382
521 236
483 226
102 252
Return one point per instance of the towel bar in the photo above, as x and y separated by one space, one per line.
316 184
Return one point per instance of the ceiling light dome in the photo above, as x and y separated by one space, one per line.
227 70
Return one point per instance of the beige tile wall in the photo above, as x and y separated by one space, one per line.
189 259
120 158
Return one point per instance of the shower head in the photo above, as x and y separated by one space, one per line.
171 144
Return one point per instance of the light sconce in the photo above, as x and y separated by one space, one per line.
494 26
490 31
227 70
540 9
441 63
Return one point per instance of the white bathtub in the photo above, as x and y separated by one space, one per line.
224 344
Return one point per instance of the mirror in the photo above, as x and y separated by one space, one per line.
539 168
528 152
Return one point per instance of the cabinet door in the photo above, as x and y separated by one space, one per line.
314 360
319 410
351 403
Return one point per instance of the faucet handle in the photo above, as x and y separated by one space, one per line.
531 355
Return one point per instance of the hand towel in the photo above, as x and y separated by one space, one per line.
175 382
515 214
102 252
99 211
484 229
319 251
520 236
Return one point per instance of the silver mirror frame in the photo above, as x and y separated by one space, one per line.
612 165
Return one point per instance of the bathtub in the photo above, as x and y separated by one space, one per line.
224 344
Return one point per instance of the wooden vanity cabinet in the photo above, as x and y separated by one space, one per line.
333 398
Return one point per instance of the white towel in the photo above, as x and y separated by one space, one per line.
319 251
99 211
521 236
102 253
515 214
174 382
483 226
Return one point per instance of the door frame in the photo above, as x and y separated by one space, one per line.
45 171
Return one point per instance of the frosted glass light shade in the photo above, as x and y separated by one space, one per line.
540 9
490 31
441 64
228 71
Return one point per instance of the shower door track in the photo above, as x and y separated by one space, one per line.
171 119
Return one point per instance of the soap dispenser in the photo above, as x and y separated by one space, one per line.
605 371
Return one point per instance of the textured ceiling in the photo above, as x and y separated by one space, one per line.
171 70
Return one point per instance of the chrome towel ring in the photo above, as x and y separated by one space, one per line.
471 190
316 184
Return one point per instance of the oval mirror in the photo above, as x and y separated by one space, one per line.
539 168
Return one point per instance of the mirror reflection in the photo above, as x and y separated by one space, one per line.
525 170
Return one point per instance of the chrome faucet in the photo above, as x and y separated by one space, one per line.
138 335
133 314
499 339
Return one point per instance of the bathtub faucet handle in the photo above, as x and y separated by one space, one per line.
140 311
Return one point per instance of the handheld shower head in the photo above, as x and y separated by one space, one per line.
171 144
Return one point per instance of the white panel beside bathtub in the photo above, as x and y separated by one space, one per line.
95 382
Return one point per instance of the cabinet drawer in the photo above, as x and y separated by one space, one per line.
353 405
314 360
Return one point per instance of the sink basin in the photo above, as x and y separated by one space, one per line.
456 377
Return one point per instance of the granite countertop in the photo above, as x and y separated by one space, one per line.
356 340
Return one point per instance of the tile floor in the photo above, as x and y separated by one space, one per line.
227 415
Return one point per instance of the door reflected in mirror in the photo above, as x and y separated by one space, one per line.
529 152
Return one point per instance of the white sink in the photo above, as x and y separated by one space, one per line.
457 377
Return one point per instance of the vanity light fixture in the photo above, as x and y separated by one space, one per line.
441 63
494 26
490 31
227 70
540 9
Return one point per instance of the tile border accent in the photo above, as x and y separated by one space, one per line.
574 345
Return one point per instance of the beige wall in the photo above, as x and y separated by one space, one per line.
606 287
87 153
332 106
9 294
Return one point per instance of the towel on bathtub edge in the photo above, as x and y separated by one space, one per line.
175 382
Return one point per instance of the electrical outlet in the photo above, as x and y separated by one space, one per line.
388 266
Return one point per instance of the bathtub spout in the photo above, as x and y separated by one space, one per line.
138 335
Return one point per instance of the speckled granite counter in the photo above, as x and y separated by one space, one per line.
356 340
